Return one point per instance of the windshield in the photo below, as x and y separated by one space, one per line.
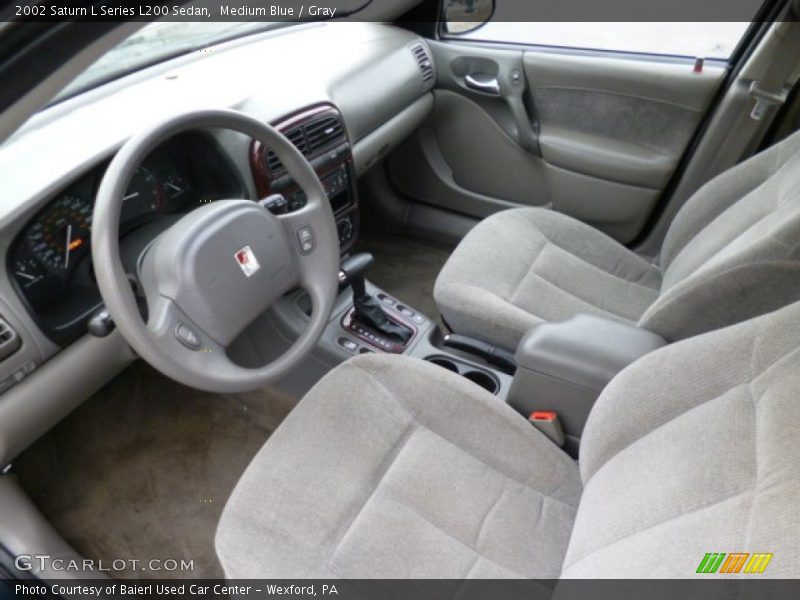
157 42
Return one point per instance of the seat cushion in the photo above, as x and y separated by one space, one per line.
525 266
695 449
392 467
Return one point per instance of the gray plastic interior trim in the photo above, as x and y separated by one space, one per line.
26 357
421 170
373 147
377 85
601 157
438 225
384 210
585 349
25 531
617 209
275 330
672 83
33 406
428 346
564 366
476 165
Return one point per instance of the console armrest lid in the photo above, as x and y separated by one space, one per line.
585 350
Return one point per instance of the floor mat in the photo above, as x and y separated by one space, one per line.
407 269
142 470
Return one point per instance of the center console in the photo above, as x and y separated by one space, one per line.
390 326
563 367
320 135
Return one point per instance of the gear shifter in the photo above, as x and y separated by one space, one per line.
368 310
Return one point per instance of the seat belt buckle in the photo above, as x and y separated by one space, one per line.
765 99
549 424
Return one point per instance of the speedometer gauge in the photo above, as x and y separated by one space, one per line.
60 237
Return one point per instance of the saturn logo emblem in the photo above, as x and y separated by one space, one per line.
247 261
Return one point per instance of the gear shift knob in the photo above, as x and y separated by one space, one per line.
356 266
354 270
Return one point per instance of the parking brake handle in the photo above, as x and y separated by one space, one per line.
499 357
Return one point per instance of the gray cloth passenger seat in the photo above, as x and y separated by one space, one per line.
731 253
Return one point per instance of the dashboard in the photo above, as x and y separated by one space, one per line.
50 259
367 75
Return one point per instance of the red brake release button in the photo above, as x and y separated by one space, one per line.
543 415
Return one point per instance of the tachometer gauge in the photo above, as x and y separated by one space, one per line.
142 196
60 237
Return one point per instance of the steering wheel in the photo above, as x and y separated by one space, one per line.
206 278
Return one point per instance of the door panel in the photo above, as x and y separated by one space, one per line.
593 135
482 159
628 119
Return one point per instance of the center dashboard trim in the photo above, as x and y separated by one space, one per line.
333 163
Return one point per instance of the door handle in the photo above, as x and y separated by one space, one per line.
480 82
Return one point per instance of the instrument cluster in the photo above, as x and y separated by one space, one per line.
50 261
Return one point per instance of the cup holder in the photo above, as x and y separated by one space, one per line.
482 379
477 376
445 363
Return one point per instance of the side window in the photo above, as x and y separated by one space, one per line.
501 21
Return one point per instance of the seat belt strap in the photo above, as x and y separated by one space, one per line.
773 87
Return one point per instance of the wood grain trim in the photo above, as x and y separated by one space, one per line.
258 165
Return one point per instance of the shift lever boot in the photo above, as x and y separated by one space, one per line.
368 311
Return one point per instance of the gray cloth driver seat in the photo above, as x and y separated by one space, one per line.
391 467
731 253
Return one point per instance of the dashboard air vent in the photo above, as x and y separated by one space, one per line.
9 340
310 139
298 138
425 65
324 132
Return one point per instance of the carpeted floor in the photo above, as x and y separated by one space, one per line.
143 469
406 268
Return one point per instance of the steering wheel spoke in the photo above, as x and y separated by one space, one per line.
172 329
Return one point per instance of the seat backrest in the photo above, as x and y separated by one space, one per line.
734 247
695 449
